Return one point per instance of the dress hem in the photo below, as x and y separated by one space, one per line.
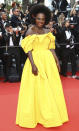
45 125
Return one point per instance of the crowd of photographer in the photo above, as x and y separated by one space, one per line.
14 25
66 30
13 28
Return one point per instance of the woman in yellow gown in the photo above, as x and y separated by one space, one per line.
41 98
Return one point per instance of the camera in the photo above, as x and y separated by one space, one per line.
55 26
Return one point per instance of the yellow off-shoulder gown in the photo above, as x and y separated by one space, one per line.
41 99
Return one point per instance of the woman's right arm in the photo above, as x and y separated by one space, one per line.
34 68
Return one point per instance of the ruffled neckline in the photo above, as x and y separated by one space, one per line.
40 34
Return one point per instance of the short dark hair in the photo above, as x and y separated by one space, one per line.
40 9
3 13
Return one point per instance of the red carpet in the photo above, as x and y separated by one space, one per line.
8 106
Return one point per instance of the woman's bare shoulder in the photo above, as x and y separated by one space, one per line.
30 31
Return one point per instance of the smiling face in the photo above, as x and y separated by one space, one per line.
40 20
4 16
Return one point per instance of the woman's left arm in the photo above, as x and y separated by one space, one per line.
56 59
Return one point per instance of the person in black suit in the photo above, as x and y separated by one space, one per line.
5 56
3 21
15 38
68 51
76 33
10 41
60 41
60 5
65 47
15 19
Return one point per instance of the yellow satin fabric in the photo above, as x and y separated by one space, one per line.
41 98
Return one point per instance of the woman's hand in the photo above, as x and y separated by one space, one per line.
34 70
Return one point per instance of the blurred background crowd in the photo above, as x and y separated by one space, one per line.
14 23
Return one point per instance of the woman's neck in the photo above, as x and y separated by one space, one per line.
39 30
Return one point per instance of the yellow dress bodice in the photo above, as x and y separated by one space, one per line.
38 42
